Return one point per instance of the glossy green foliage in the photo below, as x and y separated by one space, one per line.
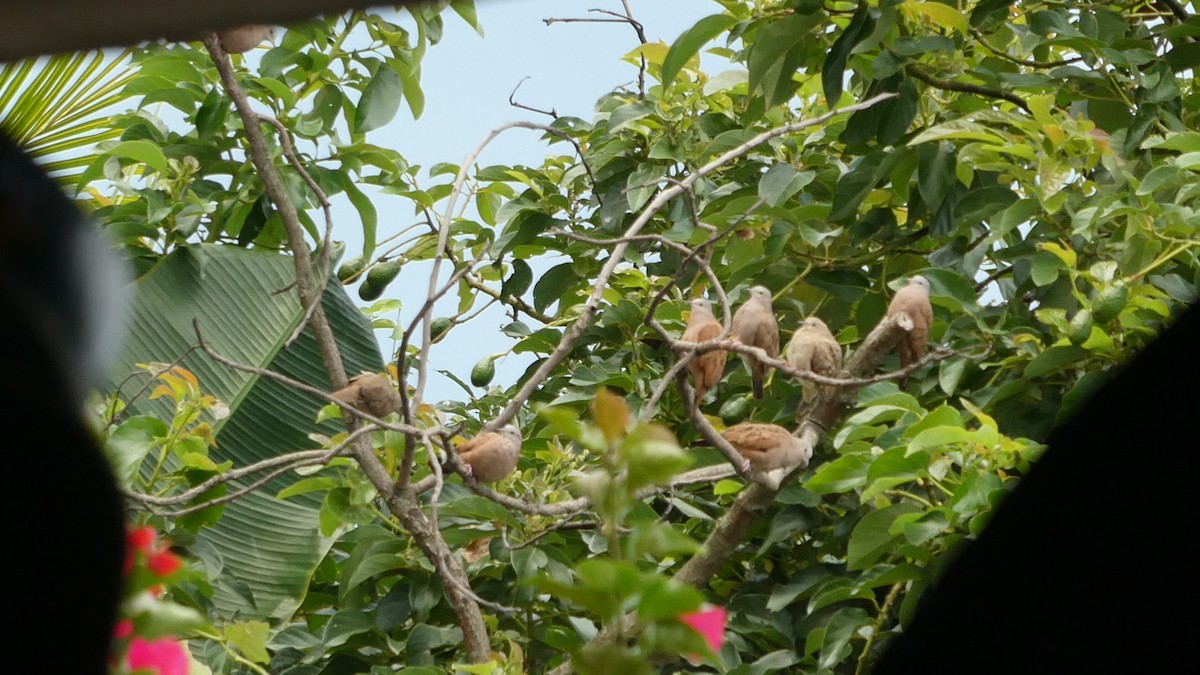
1036 164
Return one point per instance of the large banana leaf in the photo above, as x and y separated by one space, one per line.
262 552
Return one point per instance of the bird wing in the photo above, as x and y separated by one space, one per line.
759 443
826 357
800 349
474 444
350 393
756 438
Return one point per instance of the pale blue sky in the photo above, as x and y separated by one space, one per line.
467 81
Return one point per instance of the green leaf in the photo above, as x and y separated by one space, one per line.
894 467
838 631
549 288
798 586
950 373
834 66
653 456
779 49
939 14
936 172
841 475
129 444
465 9
380 100
306 485
347 623
871 540
1053 360
366 213
689 44
141 151
604 659
940 437
782 181
628 113
168 619
661 540
211 116
250 638
368 559
666 598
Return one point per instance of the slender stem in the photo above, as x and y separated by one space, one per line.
880 619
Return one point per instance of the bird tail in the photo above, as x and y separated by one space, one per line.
756 380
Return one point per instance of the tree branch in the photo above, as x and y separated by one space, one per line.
403 505
978 90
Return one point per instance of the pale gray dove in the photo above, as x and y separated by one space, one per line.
813 348
754 325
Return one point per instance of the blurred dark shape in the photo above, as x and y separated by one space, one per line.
65 534
1086 566
52 26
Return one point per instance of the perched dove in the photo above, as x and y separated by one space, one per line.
244 38
706 368
768 446
813 348
754 325
912 302
372 393
492 455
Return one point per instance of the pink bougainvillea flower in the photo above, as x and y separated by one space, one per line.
162 563
162 657
123 629
709 623
140 538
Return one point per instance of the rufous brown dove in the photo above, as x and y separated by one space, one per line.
492 455
910 306
768 446
706 368
754 325
372 393
244 38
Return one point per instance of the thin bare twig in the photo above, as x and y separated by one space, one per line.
511 300
964 87
551 113
290 460
571 507
423 316
1022 62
